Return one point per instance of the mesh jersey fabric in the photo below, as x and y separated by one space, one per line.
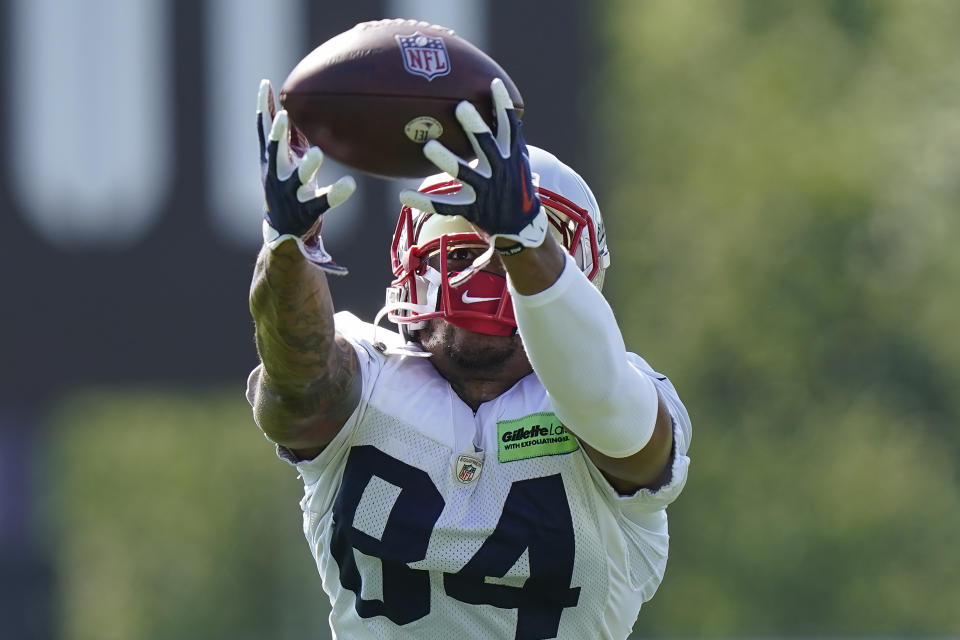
529 548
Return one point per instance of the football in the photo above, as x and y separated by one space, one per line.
372 96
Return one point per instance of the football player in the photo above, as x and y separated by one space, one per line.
500 466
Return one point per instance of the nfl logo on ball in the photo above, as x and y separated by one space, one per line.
468 468
424 55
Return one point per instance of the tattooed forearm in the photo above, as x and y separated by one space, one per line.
291 305
309 383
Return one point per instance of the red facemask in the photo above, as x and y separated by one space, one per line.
486 295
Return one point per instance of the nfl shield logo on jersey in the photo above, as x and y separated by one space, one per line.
424 55
467 468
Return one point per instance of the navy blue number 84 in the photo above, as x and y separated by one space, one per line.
535 518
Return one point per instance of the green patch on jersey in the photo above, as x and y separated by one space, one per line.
539 434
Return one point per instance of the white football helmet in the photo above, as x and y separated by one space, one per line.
482 303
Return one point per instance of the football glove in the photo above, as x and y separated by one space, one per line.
498 195
293 202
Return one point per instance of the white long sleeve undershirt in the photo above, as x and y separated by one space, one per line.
576 348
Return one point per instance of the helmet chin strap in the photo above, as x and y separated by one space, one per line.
408 349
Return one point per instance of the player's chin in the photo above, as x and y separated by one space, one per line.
469 348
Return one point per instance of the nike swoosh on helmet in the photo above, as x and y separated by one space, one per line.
468 299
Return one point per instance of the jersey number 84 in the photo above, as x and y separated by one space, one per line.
535 517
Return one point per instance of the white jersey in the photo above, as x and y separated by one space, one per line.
430 522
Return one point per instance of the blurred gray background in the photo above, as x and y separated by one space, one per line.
779 181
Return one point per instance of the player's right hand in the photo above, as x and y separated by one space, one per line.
293 202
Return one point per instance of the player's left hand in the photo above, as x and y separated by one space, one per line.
294 202
498 194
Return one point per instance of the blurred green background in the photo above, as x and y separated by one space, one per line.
791 263
779 180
